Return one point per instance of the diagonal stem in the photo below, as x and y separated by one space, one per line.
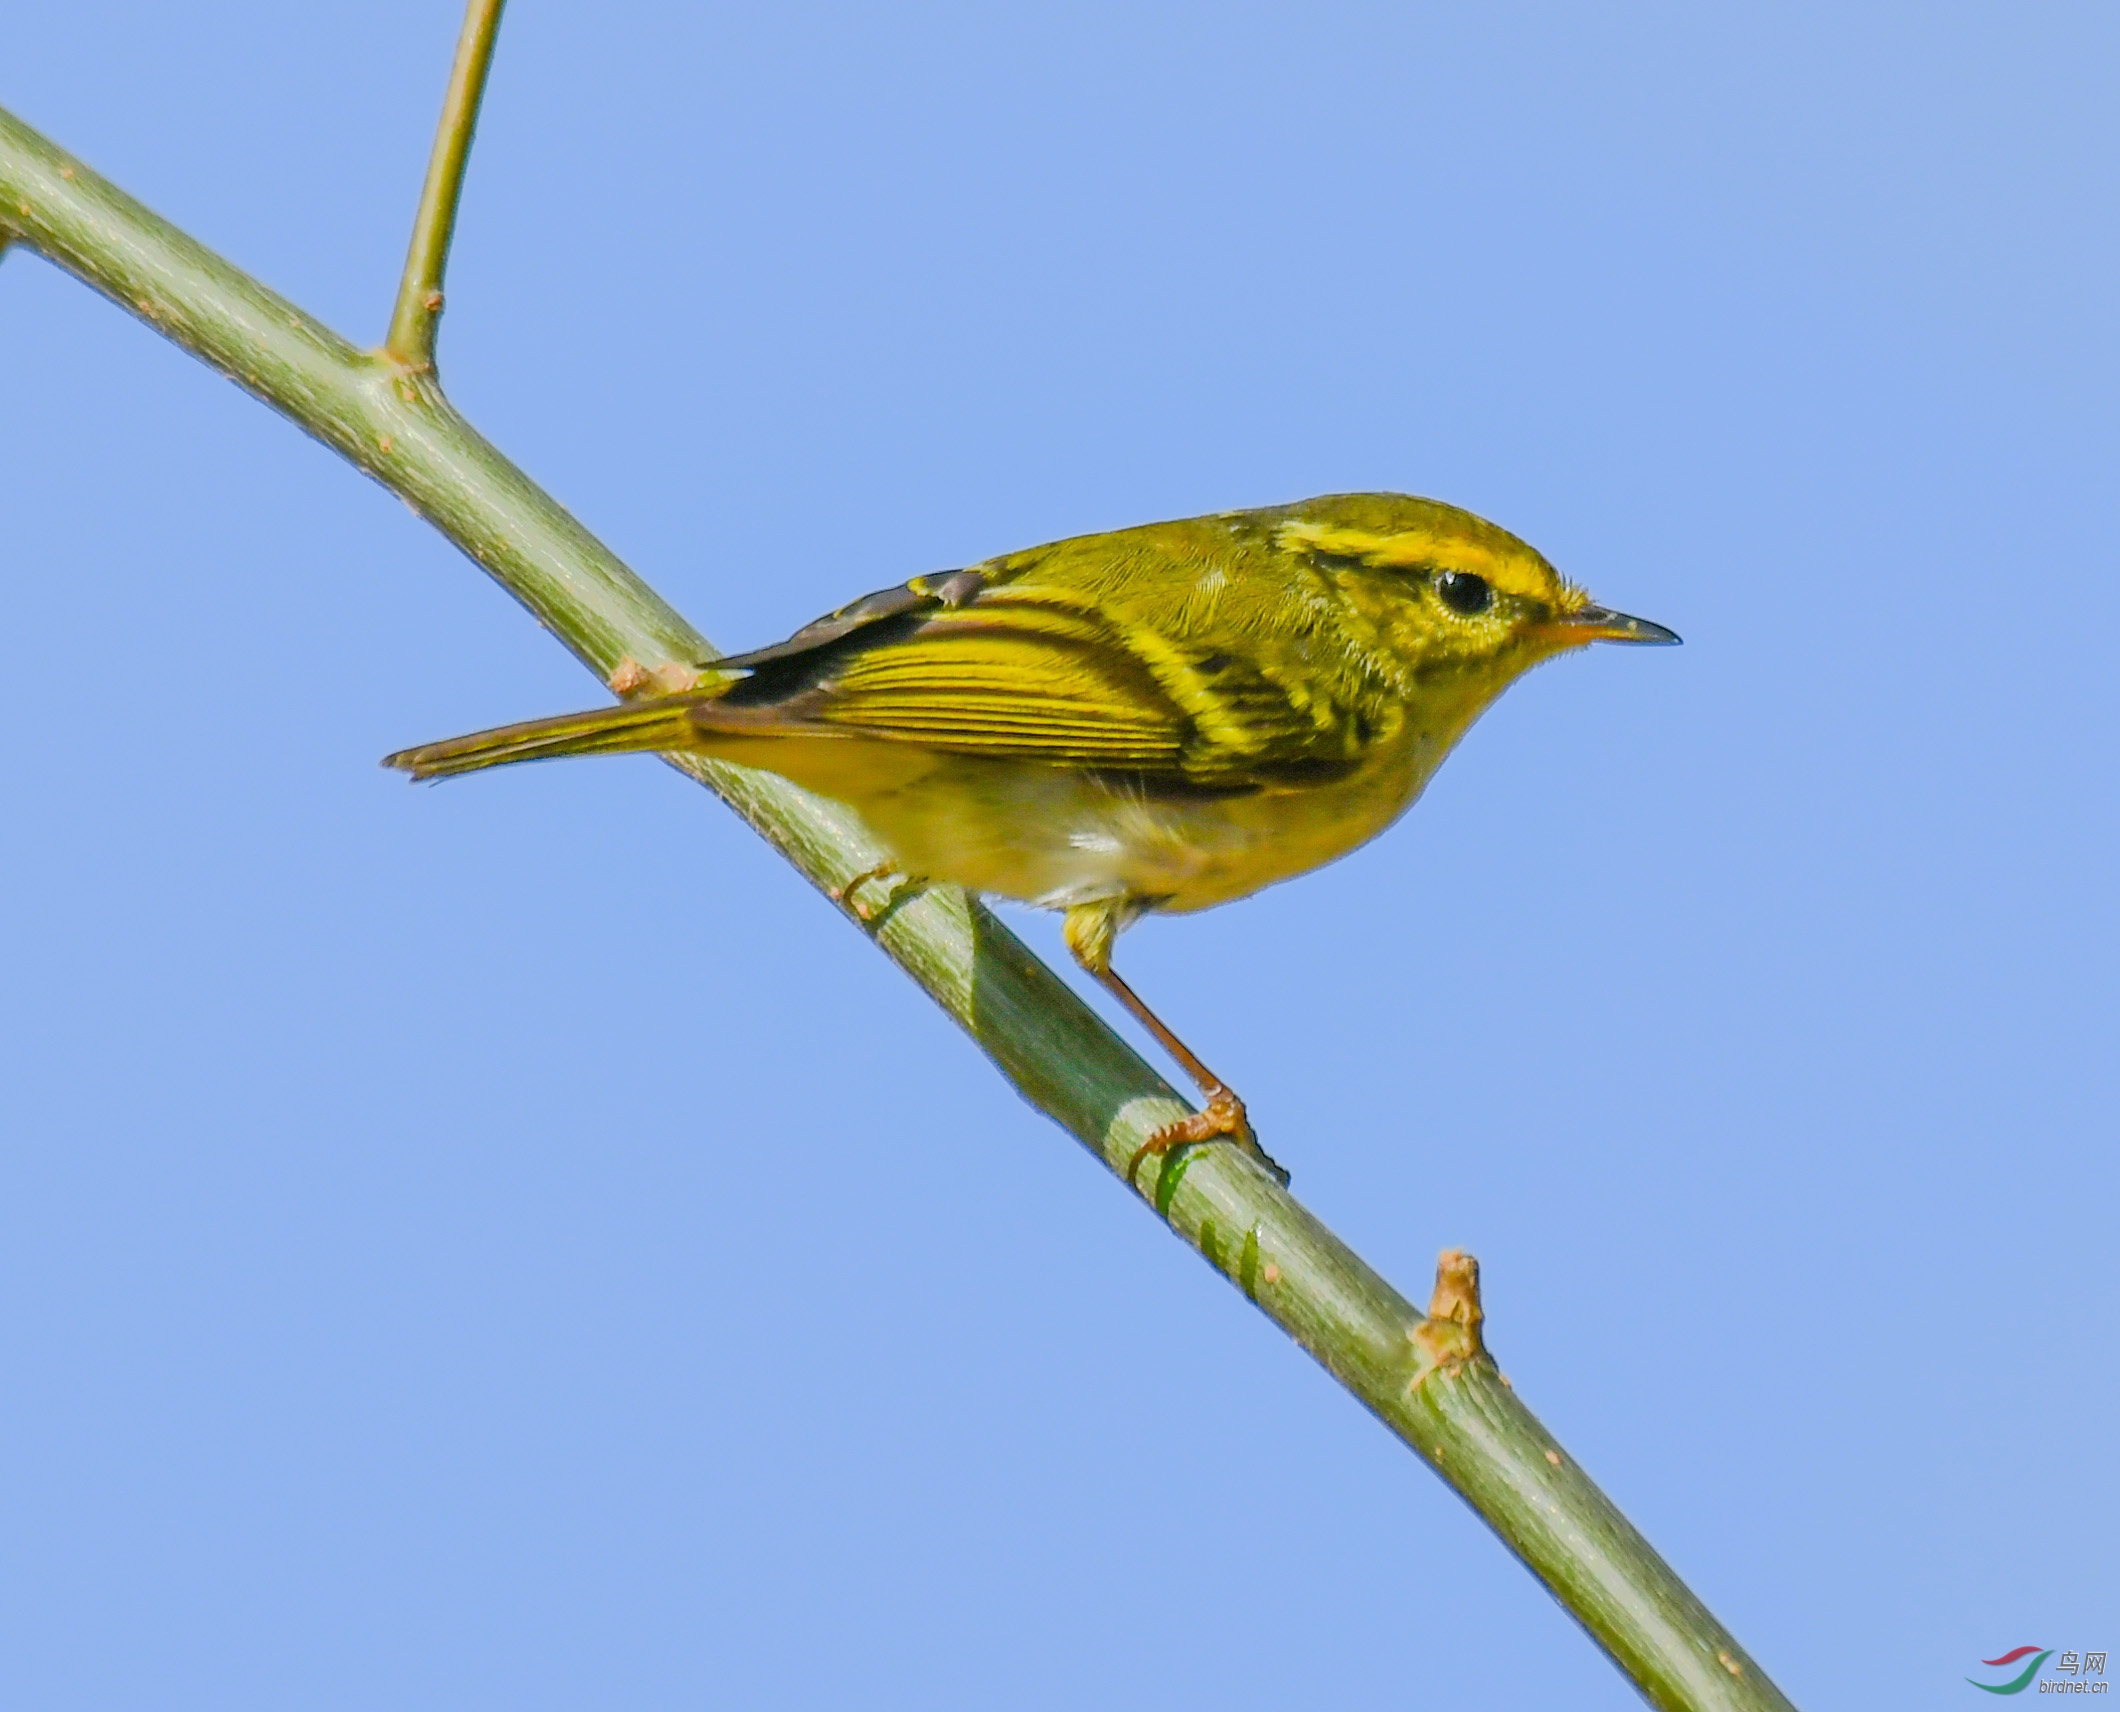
417 314
1428 1378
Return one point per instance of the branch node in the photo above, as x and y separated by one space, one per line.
673 677
1450 1335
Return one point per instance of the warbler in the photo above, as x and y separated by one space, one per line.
1155 719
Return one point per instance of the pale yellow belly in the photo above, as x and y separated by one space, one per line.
1055 837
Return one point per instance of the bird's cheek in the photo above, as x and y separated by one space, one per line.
1545 638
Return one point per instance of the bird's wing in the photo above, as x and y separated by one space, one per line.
1043 674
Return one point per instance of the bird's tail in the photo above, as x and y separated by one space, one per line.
667 723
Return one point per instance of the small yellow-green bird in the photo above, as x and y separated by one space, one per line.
1161 718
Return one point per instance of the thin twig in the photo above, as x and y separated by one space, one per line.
418 310
1427 1377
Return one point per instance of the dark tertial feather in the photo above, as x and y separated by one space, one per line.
952 588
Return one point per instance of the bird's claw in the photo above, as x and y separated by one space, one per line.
1221 1119
845 893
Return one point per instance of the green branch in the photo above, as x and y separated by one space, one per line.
418 312
1427 1377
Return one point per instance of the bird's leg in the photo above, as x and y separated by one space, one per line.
1089 931
1222 1118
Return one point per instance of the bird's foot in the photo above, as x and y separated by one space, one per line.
847 893
1221 1119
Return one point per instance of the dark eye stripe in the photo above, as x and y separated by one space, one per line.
1464 592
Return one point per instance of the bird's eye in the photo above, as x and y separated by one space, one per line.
1464 592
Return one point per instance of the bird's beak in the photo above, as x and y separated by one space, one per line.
1602 624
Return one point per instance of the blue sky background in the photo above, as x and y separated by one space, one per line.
515 1245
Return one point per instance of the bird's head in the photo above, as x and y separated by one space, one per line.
1440 598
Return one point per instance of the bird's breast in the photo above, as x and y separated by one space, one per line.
1055 836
